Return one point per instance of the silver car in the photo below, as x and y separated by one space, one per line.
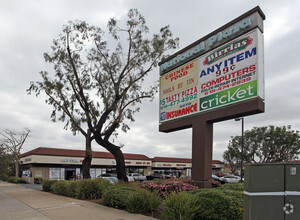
231 179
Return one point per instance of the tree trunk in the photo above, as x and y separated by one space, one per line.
17 167
118 155
86 163
120 164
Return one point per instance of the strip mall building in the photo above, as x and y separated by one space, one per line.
65 164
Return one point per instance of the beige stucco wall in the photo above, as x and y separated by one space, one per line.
37 172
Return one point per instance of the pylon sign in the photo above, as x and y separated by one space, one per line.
221 69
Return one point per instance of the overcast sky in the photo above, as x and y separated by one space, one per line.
28 28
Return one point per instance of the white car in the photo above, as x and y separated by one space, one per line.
130 178
137 177
113 180
231 179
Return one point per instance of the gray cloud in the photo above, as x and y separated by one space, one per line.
28 27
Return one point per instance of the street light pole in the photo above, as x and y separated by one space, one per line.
242 147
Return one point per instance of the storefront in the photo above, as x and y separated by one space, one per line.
176 167
180 166
65 164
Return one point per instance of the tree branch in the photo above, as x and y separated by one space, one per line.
67 112
81 94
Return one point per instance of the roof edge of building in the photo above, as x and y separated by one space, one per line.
46 151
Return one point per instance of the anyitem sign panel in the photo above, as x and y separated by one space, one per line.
231 73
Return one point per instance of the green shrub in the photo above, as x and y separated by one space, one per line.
102 185
116 196
60 188
180 206
65 188
3 176
11 179
19 180
47 184
219 204
37 180
83 189
92 189
72 189
233 186
142 201
16 180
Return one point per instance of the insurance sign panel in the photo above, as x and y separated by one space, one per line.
229 74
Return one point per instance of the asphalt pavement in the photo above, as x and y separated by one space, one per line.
19 202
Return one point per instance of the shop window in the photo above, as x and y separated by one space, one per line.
56 173
135 170
26 173
93 173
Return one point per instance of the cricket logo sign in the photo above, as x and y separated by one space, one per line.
229 96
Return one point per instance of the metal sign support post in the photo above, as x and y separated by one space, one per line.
202 143
202 153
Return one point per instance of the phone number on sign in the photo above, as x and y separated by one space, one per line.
177 102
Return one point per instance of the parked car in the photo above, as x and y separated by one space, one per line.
130 178
219 179
137 177
108 174
157 176
231 179
113 180
112 177
222 174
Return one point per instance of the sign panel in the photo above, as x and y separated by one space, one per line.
231 73
179 92
227 75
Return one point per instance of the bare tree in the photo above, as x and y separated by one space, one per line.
12 142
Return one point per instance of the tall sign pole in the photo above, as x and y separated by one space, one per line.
217 78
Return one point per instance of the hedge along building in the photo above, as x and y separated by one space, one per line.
65 164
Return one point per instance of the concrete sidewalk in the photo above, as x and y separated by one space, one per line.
18 202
